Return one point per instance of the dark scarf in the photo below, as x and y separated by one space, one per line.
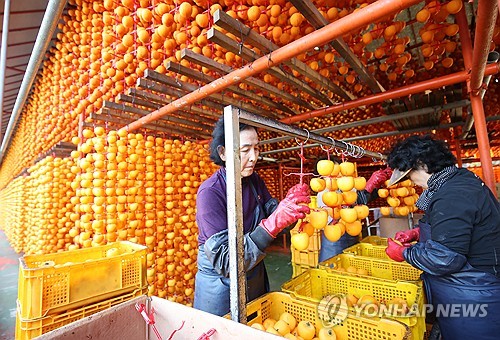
435 182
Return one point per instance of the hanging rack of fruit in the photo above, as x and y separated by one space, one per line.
233 116
276 126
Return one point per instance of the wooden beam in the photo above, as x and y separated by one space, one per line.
201 77
317 20
108 117
223 69
202 114
183 116
120 117
174 93
253 38
249 55
142 112
225 100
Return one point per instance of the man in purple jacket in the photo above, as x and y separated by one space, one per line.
263 219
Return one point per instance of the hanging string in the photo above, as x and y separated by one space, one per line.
301 174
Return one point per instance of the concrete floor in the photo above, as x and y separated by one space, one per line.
277 262
9 267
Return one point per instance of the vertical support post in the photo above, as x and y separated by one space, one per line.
475 97
483 142
280 182
3 57
81 120
237 272
458 148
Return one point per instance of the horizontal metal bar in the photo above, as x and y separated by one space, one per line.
378 135
381 119
273 125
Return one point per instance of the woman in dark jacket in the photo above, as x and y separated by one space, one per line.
458 238
263 219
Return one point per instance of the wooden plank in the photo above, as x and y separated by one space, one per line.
223 69
249 55
203 114
226 100
142 112
121 120
174 93
253 38
201 77
317 20
129 117
183 116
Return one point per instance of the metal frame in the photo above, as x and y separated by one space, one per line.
232 117
276 126
3 57
43 39
237 301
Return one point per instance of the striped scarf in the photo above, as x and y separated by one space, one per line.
435 182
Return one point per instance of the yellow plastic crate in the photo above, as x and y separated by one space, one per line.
315 284
57 282
272 305
314 240
314 202
389 270
31 328
367 249
305 257
375 240
298 269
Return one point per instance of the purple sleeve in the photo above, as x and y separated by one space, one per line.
262 188
211 215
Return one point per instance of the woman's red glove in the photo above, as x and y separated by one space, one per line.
377 179
289 210
407 236
395 251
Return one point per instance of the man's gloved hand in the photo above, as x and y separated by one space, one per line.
407 236
395 251
288 211
377 179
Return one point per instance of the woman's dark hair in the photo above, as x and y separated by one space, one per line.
218 139
417 151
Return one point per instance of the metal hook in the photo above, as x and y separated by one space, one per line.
333 142
299 143
361 151
356 151
325 149
346 152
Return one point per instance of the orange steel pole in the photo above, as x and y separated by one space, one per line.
466 42
486 18
361 18
465 39
449 79
458 149
483 144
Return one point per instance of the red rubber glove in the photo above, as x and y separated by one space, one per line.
395 251
408 236
288 211
302 189
377 179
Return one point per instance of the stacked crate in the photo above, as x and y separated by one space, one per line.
309 258
364 269
60 288
306 259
